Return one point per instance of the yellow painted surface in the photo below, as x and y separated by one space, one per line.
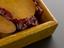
33 34
6 26
19 8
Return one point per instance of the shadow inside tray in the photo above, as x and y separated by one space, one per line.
44 43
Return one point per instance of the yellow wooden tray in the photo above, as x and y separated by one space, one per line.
26 37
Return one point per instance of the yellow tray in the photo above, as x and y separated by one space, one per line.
26 37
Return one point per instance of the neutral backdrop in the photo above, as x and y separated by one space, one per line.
57 40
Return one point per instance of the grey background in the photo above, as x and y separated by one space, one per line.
57 40
57 8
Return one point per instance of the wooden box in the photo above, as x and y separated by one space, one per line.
28 36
